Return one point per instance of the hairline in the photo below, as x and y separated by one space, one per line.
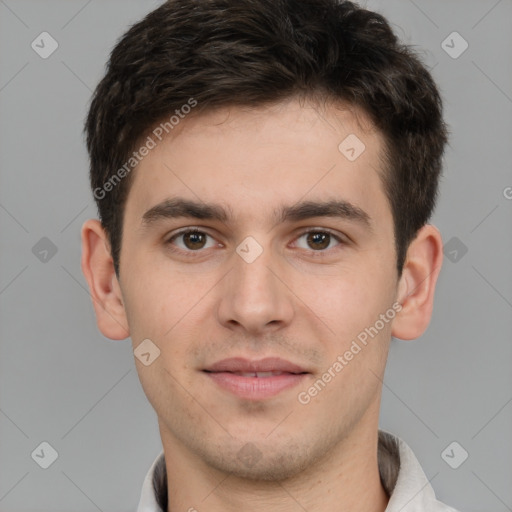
316 97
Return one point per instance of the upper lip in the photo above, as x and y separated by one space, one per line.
269 364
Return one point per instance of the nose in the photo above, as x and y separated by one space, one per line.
255 296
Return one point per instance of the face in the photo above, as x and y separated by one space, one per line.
259 293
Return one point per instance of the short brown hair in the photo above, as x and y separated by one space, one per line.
252 52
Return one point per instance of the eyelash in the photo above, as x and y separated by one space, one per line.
192 254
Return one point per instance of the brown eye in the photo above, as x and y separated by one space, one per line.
194 239
319 240
190 240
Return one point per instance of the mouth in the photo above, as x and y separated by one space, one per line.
255 380
260 375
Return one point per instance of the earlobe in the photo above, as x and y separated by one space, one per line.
98 269
417 284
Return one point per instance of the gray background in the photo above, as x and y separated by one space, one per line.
62 382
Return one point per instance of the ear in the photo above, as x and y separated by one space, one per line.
417 284
98 269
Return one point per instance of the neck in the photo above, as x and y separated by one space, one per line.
347 478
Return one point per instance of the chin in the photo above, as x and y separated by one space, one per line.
259 462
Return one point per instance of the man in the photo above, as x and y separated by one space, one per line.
264 172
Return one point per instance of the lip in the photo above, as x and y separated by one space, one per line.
269 364
233 375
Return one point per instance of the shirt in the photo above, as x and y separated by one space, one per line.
400 473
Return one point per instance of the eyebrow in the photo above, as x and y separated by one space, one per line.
179 207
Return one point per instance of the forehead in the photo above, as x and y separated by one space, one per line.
255 161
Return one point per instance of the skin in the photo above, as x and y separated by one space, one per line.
300 300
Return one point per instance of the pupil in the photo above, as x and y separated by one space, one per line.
320 237
194 240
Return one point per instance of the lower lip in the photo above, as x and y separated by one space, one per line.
255 388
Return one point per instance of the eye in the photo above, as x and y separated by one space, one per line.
320 240
192 240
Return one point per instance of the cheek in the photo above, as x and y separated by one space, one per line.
351 305
349 300
168 308
162 309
